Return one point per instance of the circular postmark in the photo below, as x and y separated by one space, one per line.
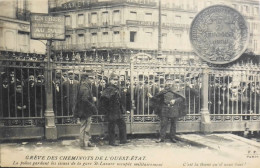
219 34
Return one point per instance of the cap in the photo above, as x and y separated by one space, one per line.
91 75
113 76
84 76
70 72
168 78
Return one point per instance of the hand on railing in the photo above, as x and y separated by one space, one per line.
149 95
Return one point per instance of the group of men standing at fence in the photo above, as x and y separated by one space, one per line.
168 103
22 96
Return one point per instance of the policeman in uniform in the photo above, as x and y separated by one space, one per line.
110 103
170 105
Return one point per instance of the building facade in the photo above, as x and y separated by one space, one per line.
119 26
15 26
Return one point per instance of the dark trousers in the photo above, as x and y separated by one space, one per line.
122 130
164 124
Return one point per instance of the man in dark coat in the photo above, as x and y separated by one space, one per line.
69 88
30 88
111 104
85 108
169 104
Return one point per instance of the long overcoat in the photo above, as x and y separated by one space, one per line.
110 103
163 109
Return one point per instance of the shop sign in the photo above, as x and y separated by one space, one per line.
47 27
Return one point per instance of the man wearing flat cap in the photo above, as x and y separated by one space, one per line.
85 108
110 103
169 104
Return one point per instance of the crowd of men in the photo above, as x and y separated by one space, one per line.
83 94
22 97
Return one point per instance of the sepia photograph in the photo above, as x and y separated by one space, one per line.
130 83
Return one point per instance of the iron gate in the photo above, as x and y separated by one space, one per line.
232 97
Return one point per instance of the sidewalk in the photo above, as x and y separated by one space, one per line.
192 150
229 144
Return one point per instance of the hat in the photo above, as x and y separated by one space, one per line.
168 78
91 75
84 76
113 76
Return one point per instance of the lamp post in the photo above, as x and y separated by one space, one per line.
50 127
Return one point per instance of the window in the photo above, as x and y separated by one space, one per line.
246 9
105 37
132 36
68 40
208 3
148 17
23 38
255 45
94 38
116 17
105 18
178 36
178 60
94 18
116 37
80 19
149 36
178 19
67 21
164 17
133 15
256 10
80 38
164 38
191 19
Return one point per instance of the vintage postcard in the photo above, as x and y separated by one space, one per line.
130 83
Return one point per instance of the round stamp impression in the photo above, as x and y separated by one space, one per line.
219 34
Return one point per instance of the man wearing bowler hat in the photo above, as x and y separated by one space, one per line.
110 103
170 105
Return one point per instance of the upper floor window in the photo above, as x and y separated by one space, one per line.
164 17
132 36
191 19
94 38
178 36
246 9
105 17
68 39
105 37
116 16
148 17
149 36
67 20
80 19
23 38
208 3
164 38
94 18
116 37
255 45
256 10
133 15
81 38
178 19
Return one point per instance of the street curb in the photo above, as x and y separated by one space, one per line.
193 142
